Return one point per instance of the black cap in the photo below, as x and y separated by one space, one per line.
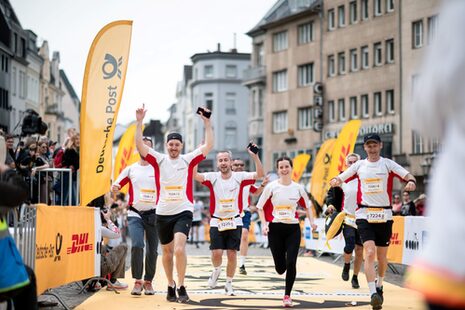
371 137
174 136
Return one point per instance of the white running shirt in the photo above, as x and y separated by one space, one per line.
173 180
280 202
226 195
142 191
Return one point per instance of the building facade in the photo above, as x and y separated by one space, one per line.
328 62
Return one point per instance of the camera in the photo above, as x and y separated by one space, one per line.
254 149
32 124
202 111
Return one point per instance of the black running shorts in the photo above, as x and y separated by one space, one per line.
168 225
380 233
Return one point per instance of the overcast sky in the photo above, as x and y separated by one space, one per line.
165 34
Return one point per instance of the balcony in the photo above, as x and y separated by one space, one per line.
254 75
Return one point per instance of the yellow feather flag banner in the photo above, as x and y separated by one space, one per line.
127 153
102 90
300 163
320 172
344 145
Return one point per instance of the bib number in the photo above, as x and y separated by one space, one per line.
147 195
226 205
227 224
350 220
284 213
376 215
372 186
173 193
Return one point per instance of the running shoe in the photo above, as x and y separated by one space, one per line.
287 302
117 286
376 301
345 272
379 290
137 289
171 295
182 294
213 280
228 289
148 288
242 270
354 281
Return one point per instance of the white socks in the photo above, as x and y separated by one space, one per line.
372 287
241 261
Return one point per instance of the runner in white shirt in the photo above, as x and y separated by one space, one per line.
277 208
347 202
140 177
374 213
173 181
226 206
238 166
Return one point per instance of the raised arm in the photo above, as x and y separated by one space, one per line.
258 164
141 147
197 176
208 145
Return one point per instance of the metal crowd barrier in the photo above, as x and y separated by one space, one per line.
54 179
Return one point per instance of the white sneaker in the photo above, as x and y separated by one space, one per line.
228 289
213 280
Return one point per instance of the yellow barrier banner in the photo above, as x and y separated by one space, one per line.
396 248
102 90
300 163
320 172
66 245
127 153
344 145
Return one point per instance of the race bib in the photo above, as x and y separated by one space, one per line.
284 213
350 220
372 186
147 195
226 205
227 224
173 193
376 215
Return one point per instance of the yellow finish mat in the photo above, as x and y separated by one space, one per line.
318 286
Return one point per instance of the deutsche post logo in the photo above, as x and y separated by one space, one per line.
111 67
58 244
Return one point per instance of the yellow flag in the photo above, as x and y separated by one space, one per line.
102 90
127 153
344 145
320 172
300 163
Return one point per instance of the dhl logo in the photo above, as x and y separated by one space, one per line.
395 239
80 244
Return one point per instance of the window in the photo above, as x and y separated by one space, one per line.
341 14
331 20
390 101
208 72
279 122
378 56
280 81
353 12
389 5
353 60
365 110
230 135
331 111
365 60
342 109
378 104
305 118
418 144
331 66
231 71
417 34
260 54
260 103
377 8
305 74
432 27
14 81
341 62
231 103
305 33
209 101
353 108
390 51
280 41
364 6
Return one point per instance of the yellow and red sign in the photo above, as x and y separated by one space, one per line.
396 247
320 173
66 244
102 90
300 163
127 153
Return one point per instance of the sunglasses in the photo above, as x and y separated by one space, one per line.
240 165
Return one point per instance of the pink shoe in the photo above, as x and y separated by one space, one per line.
287 302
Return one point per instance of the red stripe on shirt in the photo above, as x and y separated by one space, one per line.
244 183
153 161
268 210
212 196
190 173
